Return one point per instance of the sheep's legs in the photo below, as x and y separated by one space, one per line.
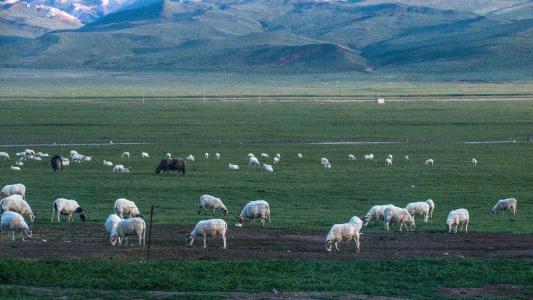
337 246
466 228
224 239
205 242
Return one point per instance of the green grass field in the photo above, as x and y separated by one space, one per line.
302 195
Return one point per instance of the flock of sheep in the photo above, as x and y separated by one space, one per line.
127 219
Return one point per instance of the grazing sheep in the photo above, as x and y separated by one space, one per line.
233 167
268 168
57 164
65 162
125 155
210 202
111 223
76 157
190 158
474 162
431 207
325 163
19 163
107 163
369 157
67 207
376 213
4 155
171 164
406 157
388 162
29 153
351 157
217 155
264 155
13 223
457 217
206 155
276 160
505 204
420 208
37 158
429 162
119 168
126 207
253 161
17 204
208 228
13 189
145 155
300 156
73 152
126 227
258 209
40 154
400 216
15 168
343 232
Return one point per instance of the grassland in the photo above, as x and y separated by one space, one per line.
302 195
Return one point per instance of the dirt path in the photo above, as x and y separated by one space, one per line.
89 240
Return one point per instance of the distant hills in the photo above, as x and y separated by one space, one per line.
269 36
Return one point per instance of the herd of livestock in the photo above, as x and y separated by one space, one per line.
127 219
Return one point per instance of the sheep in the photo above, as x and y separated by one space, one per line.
406 157
17 204
111 223
208 228
368 156
65 162
125 155
399 215
258 209
87 158
505 204
119 168
40 154
429 162
67 207
128 227
474 162
217 156
210 202
145 155
73 152
431 207
253 161
278 155
264 155
13 223
457 217
19 163
29 153
351 157
168 155
268 168
251 155
190 158
15 168
4 155
107 163
300 156
76 157
357 221
389 157
388 162
206 155
126 207
421 208
343 232
376 213
37 158
276 160
325 163
13 189
171 164
233 167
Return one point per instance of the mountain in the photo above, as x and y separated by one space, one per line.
431 36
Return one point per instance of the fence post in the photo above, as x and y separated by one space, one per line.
150 232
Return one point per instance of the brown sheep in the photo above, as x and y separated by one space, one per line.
171 164
57 164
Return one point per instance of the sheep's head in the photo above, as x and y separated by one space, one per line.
114 238
241 219
225 211
328 245
81 214
27 233
190 240
493 210
32 217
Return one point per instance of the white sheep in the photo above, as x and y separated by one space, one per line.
206 155
65 162
389 156
4 155
406 157
19 163
125 155
190 158
351 157
217 155
107 163
62 206
457 217
276 160
29 153
474 162
505 204
73 152
17 204
278 155
126 207
119 168
13 189
15 168
13 223
40 154
145 155
429 162
388 162
325 163
343 232
76 157
233 167
253 161
111 223
257 209
87 158
264 155
400 216
420 208
268 168
376 213
168 155
369 156
210 202
357 221
208 228
127 227
251 155
431 207
37 158
300 156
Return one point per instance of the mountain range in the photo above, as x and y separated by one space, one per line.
295 36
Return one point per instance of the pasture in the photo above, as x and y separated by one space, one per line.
305 198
